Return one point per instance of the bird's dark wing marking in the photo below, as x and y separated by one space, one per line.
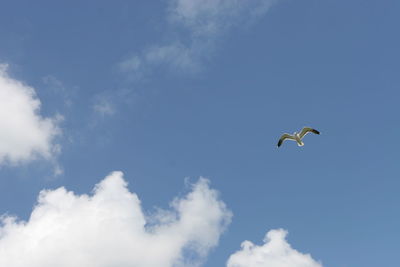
284 137
306 130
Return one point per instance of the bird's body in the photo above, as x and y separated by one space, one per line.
297 136
298 139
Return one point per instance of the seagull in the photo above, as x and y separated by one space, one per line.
297 136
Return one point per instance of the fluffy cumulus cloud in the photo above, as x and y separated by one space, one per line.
109 228
276 252
24 134
198 25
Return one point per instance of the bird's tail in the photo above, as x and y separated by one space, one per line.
300 143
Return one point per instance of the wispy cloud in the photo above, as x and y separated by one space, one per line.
25 135
108 102
130 64
58 87
103 106
213 17
109 228
197 26
276 252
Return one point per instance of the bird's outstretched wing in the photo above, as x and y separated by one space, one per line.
306 130
284 137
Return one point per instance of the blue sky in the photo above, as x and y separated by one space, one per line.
170 91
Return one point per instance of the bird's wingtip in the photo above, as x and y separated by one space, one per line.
316 131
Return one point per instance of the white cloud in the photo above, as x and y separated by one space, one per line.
198 25
24 134
109 228
276 252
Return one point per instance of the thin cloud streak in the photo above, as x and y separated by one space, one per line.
197 25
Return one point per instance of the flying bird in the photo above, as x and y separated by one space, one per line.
297 136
